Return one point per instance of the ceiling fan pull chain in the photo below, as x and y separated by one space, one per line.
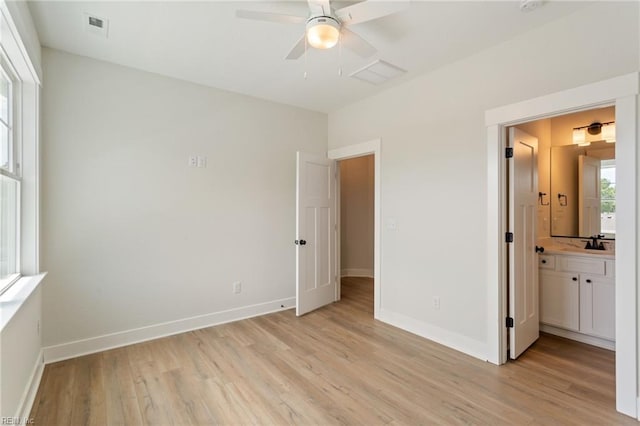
305 56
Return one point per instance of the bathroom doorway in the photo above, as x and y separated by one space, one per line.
622 92
573 208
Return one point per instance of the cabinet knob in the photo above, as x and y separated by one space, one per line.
589 281
575 278
544 261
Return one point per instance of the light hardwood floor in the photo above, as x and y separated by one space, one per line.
333 366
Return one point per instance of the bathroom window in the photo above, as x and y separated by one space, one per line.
608 196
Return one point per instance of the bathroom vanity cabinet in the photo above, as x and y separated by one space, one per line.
577 297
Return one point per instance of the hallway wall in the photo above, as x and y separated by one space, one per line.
356 216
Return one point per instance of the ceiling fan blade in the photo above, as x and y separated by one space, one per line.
369 10
319 7
298 49
355 43
270 17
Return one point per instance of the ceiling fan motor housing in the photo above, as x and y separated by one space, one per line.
323 32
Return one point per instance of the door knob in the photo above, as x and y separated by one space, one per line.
539 249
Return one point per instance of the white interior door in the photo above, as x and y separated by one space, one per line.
316 275
523 259
588 196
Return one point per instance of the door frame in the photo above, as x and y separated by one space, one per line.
622 92
352 151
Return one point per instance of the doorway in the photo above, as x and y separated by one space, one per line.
369 150
569 205
356 216
355 220
623 93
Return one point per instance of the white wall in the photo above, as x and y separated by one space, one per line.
134 237
434 155
356 216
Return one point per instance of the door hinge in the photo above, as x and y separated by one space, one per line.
508 237
508 152
509 322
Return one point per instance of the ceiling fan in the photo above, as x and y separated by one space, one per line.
326 26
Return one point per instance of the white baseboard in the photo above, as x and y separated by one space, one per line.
356 272
129 337
590 340
24 408
447 338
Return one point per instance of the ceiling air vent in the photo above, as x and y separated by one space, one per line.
378 72
96 25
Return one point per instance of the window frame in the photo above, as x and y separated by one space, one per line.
608 164
14 170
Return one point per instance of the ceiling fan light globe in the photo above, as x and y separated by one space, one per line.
323 33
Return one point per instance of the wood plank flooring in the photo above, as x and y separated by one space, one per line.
333 366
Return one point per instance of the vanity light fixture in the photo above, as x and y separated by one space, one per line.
580 137
607 132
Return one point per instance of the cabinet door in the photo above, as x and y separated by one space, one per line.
597 306
559 299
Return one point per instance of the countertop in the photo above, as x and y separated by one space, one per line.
575 251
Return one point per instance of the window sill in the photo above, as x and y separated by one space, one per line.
12 300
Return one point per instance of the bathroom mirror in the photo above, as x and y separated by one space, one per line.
582 198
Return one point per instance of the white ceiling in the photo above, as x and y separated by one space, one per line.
205 43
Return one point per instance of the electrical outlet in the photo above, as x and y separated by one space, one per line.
237 287
193 161
436 303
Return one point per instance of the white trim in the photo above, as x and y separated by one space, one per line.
495 212
439 335
621 91
19 48
578 98
579 337
356 272
29 396
142 334
358 150
15 296
626 254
